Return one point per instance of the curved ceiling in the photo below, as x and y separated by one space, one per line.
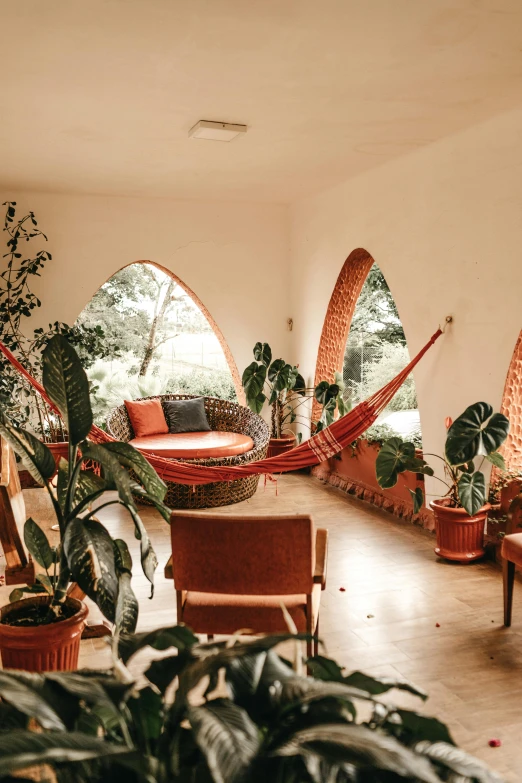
97 96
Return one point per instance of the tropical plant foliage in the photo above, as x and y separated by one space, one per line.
17 303
477 434
87 554
265 722
281 385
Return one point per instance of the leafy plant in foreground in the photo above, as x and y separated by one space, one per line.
477 433
86 554
266 722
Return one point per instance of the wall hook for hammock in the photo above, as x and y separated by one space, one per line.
448 320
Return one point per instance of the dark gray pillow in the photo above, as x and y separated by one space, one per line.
186 415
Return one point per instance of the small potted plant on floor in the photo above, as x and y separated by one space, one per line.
281 384
460 515
43 632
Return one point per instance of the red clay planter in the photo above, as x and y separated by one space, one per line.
459 536
42 648
277 446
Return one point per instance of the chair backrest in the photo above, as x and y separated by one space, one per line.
243 555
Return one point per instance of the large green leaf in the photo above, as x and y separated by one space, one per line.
66 383
415 727
227 736
263 353
127 607
497 460
396 456
35 456
361 747
253 381
324 392
417 496
458 761
178 636
280 375
21 749
476 432
113 471
164 510
299 386
90 556
37 544
326 669
147 710
472 491
129 457
88 486
28 700
149 561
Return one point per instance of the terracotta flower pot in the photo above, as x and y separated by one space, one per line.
58 450
42 648
277 446
459 536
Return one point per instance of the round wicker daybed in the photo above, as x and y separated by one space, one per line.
223 416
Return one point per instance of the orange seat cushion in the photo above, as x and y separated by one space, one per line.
225 614
512 548
195 445
146 417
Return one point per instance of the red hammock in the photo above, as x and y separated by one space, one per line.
316 449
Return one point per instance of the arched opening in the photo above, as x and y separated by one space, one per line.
363 337
512 408
158 338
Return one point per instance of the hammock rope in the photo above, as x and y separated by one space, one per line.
318 448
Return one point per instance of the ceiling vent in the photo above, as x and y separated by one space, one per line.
216 131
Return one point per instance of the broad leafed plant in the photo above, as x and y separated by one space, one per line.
284 388
263 722
476 435
86 554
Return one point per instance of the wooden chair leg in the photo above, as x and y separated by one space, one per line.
509 581
316 638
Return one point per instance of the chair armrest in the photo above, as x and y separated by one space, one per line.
321 557
168 569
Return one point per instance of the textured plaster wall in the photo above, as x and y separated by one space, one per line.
445 226
233 256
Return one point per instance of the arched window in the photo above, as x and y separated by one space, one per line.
158 338
512 408
363 337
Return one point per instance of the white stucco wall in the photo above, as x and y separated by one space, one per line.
445 226
234 256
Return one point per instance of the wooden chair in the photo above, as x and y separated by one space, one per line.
234 572
512 555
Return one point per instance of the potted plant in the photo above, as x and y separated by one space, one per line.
43 631
266 721
17 303
460 515
281 384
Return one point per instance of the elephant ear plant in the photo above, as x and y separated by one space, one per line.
86 554
476 435
263 722
281 384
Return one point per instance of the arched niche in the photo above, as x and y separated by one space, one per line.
339 316
512 408
208 316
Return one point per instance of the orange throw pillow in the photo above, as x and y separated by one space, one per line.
147 417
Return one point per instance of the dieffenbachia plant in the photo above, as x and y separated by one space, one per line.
265 722
86 554
477 434
281 384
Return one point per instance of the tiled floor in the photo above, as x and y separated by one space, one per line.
402 612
